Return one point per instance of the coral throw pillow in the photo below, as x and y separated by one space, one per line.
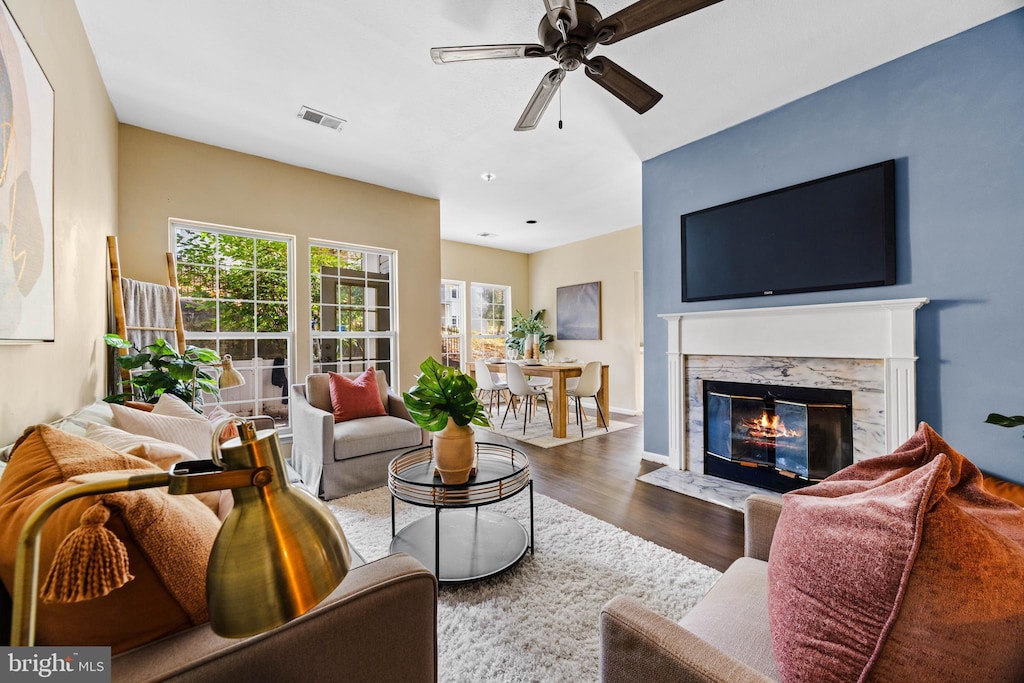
899 568
168 541
354 398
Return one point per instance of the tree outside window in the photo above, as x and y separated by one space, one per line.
235 299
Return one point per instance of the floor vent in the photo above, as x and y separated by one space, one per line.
321 119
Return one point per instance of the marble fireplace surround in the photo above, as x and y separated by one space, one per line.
867 347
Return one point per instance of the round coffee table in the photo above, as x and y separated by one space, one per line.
466 543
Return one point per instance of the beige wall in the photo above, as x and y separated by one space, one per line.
470 263
164 177
613 260
44 381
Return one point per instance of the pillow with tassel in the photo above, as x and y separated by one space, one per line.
118 570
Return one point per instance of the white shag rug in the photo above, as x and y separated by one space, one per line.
539 620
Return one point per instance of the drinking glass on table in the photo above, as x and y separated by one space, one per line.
511 354
549 356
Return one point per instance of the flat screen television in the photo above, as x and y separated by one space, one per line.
837 232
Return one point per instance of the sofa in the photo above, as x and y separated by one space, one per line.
340 458
724 638
904 567
380 622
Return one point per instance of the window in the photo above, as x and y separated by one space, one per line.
353 319
235 299
452 329
489 319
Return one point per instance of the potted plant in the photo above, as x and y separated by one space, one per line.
444 401
527 329
168 372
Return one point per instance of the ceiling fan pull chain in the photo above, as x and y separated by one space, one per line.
559 109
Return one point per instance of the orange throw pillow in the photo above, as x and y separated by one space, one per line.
354 398
899 568
168 540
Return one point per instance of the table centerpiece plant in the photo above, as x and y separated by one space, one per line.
526 329
443 401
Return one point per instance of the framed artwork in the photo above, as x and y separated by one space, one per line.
26 191
578 311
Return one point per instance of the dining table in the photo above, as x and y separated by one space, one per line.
559 372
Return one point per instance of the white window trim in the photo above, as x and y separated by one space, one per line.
257 234
395 317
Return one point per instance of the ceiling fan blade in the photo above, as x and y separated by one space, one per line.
624 85
542 96
643 15
444 55
562 9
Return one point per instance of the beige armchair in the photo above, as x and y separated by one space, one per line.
724 638
336 459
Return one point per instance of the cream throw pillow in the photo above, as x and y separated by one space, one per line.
171 420
163 454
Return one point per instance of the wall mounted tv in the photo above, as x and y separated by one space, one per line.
837 232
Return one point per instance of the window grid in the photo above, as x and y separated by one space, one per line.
352 316
452 327
489 319
235 298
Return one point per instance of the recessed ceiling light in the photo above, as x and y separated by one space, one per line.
488 177
530 222
487 234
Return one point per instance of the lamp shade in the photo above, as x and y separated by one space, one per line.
229 377
279 552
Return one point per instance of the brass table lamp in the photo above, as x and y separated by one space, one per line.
279 552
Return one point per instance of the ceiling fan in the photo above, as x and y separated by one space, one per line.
568 33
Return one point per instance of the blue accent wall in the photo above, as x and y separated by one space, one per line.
952 115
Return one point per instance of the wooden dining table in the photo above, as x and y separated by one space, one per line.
559 372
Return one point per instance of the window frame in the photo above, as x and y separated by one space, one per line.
508 317
248 369
462 336
391 334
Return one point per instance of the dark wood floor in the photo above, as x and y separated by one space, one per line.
598 476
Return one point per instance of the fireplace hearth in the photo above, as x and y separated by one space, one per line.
776 437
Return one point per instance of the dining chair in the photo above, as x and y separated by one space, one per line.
587 387
519 387
491 383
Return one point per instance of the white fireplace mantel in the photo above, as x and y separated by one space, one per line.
882 330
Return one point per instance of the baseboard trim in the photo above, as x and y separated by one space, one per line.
655 457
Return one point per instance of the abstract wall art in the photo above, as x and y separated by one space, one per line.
26 192
579 311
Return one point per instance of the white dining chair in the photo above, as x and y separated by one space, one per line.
519 387
490 383
587 386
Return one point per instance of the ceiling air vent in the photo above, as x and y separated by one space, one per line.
321 119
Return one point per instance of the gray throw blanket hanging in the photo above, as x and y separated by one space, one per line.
149 305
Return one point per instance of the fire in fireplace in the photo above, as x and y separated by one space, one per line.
776 437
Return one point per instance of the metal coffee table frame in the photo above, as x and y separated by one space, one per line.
501 473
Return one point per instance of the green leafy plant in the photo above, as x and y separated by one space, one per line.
523 325
442 392
168 371
1004 421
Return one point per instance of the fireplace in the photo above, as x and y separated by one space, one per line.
776 437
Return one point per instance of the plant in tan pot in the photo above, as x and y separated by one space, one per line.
444 402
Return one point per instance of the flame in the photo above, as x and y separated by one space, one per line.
768 427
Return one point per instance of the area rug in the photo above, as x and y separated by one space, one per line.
538 431
539 620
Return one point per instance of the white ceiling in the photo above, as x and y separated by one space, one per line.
233 73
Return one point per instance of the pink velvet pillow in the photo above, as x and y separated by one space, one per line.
353 398
899 568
